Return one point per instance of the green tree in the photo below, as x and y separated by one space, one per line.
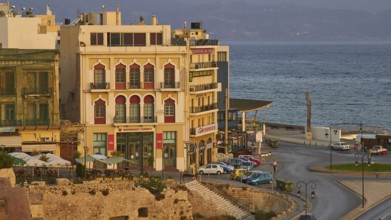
6 161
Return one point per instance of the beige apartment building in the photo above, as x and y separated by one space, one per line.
29 93
142 90
24 30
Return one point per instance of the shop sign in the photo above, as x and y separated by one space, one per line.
134 129
7 129
159 141
205 129
201 50
111 142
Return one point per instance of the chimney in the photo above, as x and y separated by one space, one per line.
154 20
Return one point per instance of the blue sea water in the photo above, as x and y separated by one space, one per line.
350 83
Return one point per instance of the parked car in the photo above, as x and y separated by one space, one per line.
240 163
236 174
378 149
259 178
251 158
227 168
340 146
248 175
307 216
211 169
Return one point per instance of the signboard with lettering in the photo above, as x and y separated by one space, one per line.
205 129
134 129
159 141
201 50
111 142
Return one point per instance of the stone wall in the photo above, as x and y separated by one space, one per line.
9 174
256 199
104 200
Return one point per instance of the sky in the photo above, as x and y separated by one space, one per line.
366 5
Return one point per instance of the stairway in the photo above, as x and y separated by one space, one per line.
222 204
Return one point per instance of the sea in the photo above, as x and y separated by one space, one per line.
349 82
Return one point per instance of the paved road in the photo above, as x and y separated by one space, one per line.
332 201
381 212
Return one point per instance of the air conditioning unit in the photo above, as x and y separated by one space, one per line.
46 139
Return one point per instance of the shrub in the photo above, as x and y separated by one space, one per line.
80 170
6 161
64 193
261 215
154 185
43 157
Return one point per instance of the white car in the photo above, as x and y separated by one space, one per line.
211 169
340 146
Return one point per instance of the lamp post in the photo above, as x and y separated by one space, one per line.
306 184
85 161
362 155
328 133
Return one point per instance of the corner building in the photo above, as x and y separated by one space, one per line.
142 90
126 84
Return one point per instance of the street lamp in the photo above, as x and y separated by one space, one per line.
362 155
85 161
331 152
306 184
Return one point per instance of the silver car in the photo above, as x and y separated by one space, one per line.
340 146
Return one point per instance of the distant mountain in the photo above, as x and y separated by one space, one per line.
243 20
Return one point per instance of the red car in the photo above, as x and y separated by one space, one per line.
250 158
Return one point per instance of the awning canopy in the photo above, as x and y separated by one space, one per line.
11 141
245 105
88 158
39 147
18 161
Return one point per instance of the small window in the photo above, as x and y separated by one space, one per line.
96 38
156 38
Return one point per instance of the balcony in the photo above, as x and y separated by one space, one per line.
11 122
170 86
204 42
212 128
205 108
37 91
132 120
37 122
203 87
203 65
4 91
135 85
94 86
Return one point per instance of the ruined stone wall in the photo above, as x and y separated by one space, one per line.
103 200
9 174
262 200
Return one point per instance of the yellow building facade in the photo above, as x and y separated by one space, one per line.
144 91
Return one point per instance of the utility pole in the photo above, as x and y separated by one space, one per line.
308 132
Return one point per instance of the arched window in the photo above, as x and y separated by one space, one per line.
100 112
120 76
169 76
149 75
134 109
148 109
134 76
120 110
169 111
99 77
